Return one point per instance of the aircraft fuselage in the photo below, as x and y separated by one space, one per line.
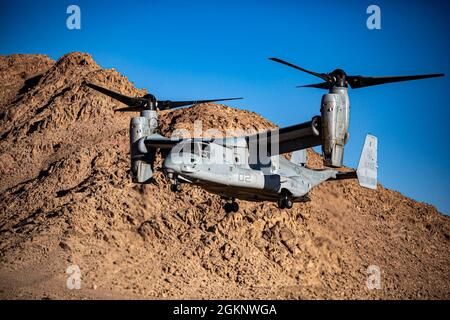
225 171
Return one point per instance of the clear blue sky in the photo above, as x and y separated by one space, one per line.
207 49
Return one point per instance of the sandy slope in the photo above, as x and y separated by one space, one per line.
66 198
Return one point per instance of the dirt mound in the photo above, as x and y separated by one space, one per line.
19 73
67 199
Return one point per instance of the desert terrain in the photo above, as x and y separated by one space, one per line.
67 199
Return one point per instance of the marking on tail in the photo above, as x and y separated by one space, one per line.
368 166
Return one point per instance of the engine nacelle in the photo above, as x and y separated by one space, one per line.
141 163
335 111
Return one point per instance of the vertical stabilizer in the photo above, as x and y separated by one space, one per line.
368 166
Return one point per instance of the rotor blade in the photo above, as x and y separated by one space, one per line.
167 104
361 81
323 85
130 101
322 76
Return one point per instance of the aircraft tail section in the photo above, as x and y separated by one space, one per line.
367 171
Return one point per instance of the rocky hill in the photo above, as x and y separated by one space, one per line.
67 199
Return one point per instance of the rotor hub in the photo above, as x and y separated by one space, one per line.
338 78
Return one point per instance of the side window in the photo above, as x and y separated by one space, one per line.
206 150
239 155
227 155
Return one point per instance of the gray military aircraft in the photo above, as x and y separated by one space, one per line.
252 167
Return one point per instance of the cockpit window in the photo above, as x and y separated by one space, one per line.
206 150
198 148
189 148
195 148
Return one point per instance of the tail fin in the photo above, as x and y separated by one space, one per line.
367 171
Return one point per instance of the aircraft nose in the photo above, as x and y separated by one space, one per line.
170 165
180 165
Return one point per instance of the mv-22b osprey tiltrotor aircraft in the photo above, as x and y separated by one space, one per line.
252 167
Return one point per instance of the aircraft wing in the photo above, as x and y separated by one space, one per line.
276 141
288 139
161 142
